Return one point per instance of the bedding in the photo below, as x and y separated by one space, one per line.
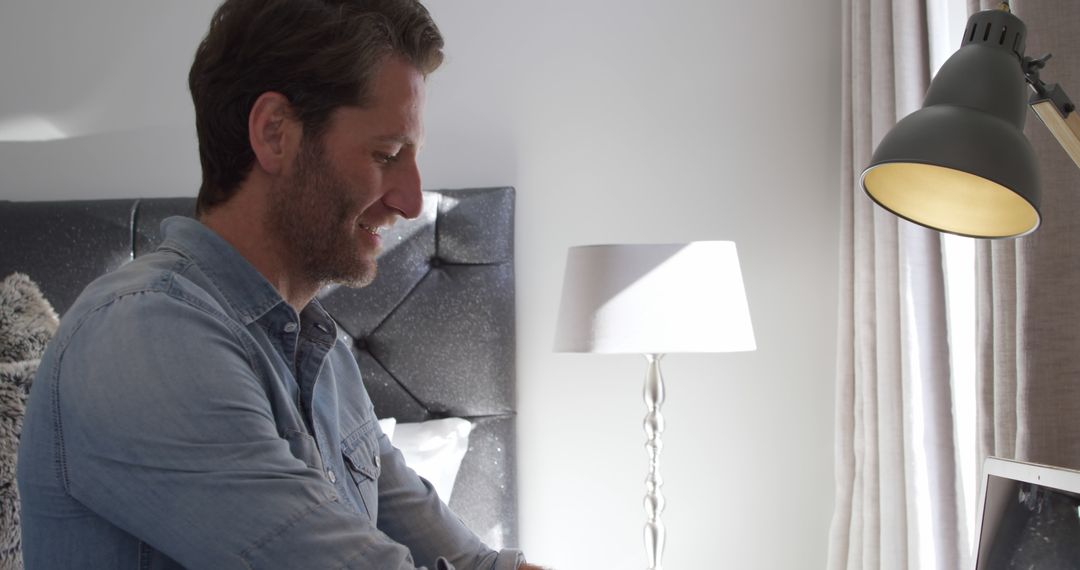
434 449
27 322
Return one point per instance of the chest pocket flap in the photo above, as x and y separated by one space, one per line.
361 452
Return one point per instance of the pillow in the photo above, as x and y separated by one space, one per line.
434 449
387 427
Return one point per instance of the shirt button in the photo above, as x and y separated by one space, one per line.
378 461
290 327
330 475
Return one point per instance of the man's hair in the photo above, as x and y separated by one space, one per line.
320 54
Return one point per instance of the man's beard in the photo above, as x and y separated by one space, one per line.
310 215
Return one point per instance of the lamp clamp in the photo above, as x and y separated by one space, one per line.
1043 92
1032 65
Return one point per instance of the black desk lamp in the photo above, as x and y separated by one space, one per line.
961 164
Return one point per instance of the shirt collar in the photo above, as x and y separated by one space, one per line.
244 288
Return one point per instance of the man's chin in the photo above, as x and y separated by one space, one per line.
355 283
356 272
361 278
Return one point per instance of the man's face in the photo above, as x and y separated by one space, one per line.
353 181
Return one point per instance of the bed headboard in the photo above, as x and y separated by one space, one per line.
433 335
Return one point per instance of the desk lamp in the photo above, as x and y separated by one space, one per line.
654 300
961 164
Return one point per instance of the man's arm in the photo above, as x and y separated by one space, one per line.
411 513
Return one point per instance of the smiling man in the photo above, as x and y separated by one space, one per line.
196 408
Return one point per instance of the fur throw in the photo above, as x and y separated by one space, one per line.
27 322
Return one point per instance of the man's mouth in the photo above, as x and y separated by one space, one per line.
373 230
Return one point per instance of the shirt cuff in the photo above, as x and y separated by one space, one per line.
508 559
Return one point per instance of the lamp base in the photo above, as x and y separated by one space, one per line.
655 534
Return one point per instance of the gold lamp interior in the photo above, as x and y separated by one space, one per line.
950 200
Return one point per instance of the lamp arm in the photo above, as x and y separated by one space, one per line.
1054 107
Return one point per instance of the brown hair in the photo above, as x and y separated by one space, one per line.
320 54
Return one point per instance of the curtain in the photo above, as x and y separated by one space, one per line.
897 499
1028 316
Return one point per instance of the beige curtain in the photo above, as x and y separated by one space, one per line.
897 499
1029 289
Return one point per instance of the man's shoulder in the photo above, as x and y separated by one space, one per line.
160 281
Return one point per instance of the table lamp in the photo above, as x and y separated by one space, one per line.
961 164
654 299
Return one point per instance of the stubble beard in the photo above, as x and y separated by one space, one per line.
311 215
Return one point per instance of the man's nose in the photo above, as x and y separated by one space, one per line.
405 195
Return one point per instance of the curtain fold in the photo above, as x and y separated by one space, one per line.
897 499
1028 296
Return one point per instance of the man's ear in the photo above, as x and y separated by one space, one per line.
273 132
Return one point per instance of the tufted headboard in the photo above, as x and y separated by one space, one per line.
433 335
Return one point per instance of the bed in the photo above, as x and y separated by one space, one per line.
433 335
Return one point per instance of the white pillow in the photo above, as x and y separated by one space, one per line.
387 426
434 449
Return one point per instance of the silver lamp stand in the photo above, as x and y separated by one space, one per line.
654 427
654 299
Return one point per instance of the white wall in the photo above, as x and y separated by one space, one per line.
630 121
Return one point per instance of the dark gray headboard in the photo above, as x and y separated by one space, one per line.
434 334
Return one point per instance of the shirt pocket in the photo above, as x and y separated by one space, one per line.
361 452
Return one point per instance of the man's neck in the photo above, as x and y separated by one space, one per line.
241 223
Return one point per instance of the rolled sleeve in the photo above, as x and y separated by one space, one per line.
508 559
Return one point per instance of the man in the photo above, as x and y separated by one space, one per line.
196 409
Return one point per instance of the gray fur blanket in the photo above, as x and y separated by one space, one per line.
27 322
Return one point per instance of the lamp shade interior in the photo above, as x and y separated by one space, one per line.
950 200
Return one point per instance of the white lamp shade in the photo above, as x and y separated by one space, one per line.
654 299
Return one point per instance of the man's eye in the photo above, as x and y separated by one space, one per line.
384 158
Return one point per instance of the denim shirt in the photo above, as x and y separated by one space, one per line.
185 416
